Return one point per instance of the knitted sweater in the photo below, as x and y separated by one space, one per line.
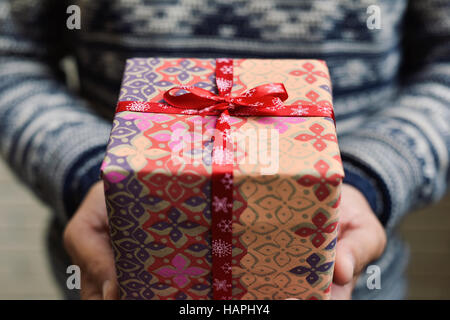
390 85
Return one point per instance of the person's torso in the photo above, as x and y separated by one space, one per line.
364 62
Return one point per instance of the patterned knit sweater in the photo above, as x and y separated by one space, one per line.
390 86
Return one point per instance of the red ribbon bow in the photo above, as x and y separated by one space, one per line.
263 100
261 97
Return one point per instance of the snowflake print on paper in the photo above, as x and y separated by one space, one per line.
221 248
227 180
138 106
225 225
221 285
220 204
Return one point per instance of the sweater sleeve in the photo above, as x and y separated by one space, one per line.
48 136
403 150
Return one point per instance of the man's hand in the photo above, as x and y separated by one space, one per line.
361 239
87 241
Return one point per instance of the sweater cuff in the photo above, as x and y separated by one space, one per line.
81 177
388 166
82 167
360 177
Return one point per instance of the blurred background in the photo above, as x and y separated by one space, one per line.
25 271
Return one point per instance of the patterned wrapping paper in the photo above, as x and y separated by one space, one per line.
284 224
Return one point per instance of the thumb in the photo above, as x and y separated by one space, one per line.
357 248
110 289
90 248
96 258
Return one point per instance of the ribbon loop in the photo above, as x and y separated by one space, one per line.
195 98
266 95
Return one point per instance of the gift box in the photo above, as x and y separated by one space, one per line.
222 179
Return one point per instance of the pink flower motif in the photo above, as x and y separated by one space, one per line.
144 120
104 164
310 73
180 272
182 136
318 137
319 229
280 123
321 105
322 181
138 151
114 177
209 122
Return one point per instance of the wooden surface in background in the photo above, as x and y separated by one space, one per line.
24 269
428 233
25 272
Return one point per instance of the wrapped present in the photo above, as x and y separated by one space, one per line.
222 179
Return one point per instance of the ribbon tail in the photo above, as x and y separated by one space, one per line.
222 208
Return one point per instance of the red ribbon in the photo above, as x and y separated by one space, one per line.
263 100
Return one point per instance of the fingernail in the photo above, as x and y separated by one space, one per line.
105 289
351 259
349 267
